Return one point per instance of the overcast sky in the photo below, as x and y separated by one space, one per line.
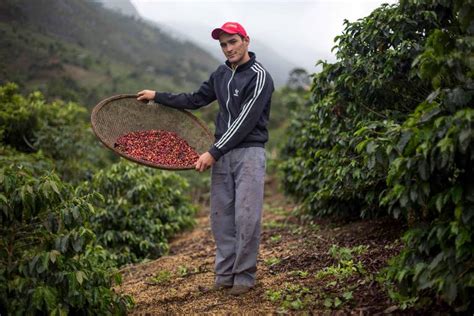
301 31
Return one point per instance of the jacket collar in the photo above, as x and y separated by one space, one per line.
245 66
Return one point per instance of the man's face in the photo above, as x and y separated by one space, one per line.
234 47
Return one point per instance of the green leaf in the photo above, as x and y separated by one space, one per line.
80 276
361 146
64 243
456 194
464 139
371 147
413 194
429 115
423 170
54 187
439 202
458 212
53 255
347 295
37 298
49 296
77 244
75 213
434 263
451 290
404 139
3 198
33 262
43 266
328 302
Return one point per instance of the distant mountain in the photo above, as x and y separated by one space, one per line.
125 7
278 66
80 50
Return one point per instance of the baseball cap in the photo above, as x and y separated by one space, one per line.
229 28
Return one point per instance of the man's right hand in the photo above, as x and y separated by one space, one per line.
145 95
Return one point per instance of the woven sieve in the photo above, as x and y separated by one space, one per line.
122 114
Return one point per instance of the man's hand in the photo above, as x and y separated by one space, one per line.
146 95
204 162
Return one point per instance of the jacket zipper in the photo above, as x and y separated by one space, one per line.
228 94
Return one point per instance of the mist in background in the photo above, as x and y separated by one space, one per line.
298 33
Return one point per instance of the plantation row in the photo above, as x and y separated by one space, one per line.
390 131
70 214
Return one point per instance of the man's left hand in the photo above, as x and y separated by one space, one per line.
204 162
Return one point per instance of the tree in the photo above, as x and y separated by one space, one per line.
298 80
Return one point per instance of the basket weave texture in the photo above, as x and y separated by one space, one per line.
122 114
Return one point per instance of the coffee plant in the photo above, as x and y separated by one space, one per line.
60 131
49 261
391 132
65 226
141 209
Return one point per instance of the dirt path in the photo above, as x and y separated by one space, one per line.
303 266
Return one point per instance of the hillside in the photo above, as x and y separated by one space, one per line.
79 50
123 6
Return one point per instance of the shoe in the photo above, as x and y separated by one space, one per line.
239 289
219 286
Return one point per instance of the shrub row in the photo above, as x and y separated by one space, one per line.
69 215
390 131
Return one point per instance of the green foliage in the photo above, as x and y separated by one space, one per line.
272 261
369 86
60 131
275 239
290 297
49 261
299 273
141 209
390 131
344 253
273 224
162 277
345 266
47 46
337 301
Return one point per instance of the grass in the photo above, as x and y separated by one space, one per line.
273 224
290 297
299 273
272 261
275 239
162 277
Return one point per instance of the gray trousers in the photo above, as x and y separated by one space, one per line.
236 210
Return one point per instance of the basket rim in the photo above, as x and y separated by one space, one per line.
102 103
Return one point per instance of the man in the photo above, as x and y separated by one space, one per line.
243 89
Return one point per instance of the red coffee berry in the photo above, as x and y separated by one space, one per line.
159 147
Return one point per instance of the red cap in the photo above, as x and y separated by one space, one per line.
229 28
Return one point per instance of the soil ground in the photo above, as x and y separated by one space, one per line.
309 267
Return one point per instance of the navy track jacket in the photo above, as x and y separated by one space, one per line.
244 96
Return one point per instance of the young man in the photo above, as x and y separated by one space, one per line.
243 89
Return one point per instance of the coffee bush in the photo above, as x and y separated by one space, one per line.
49 260
141 209
390 132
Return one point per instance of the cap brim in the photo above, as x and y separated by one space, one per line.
218 31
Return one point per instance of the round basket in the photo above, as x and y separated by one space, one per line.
122 114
